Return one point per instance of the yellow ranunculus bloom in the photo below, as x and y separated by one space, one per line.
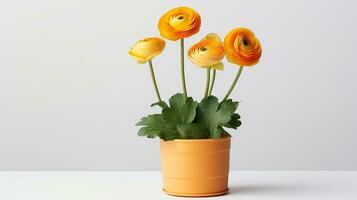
181 22
146 49
208 52
242 47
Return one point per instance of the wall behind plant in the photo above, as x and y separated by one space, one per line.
70 94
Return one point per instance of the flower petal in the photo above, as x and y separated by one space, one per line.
218 66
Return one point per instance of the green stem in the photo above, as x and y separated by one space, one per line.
154 81
212 82
207 81
234 83
183 80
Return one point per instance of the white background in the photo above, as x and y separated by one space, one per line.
70 94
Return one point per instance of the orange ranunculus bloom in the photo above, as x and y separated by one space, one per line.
208 52
181 22
146 49
242 47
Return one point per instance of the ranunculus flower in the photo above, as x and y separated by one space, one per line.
208 52
242 47
181 22
146 49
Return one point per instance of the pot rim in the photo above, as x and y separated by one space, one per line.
199 140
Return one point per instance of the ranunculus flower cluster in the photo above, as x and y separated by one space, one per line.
240 46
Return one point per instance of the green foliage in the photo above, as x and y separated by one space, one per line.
192 131
234 122
155 126
211 114
162 104
187 119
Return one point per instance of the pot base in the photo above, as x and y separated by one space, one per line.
196 195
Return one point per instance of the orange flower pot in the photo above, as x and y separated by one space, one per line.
195 168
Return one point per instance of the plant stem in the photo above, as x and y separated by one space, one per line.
234 83
212 82
207 81
154 81
183 69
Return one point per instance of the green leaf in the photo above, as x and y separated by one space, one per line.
211 114
184 118
155 126
230 104
181 110
192 131
162 104
234 122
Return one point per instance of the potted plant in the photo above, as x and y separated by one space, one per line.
194 142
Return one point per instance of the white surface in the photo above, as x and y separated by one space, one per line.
247 185
70 94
